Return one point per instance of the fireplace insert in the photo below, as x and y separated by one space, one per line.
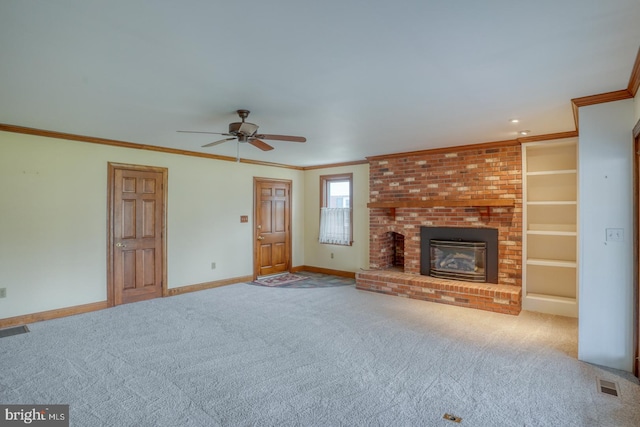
458 260
488 262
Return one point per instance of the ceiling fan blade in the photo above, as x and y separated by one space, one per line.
283 137
210 133
260 144
211 144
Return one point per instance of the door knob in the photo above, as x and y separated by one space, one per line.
260 238
120 245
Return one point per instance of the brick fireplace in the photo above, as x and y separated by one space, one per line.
476 187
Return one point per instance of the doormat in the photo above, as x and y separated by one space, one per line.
311 280
16 330
278 280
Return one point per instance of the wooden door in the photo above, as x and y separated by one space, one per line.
136 233
272 206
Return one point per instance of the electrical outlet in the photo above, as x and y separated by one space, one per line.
3 292
615 234
213 265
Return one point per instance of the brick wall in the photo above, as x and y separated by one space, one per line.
494 172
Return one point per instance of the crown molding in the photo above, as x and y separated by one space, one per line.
125 144
601 98
481 146
455 148
548 137
336 165
616 95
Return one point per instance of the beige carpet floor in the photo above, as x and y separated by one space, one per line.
245 355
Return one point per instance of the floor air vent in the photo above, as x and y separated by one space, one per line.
453 418
16 330
608 387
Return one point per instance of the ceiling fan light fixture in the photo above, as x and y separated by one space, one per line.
247 132
242 128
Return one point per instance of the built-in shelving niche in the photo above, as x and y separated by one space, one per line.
550 213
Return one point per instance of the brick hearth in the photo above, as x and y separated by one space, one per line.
447 176
484 296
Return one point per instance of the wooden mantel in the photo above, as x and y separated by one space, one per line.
487 204
443 203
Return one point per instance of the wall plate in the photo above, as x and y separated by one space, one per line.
615 234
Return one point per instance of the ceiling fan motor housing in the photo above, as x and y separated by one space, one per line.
242 128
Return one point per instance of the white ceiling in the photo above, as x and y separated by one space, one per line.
357 78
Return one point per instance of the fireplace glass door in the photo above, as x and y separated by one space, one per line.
458 260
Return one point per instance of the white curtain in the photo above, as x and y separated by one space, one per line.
335 226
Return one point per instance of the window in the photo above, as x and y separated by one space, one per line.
336 206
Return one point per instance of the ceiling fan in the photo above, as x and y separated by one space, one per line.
247 132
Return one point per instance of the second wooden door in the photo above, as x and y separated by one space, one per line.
272 214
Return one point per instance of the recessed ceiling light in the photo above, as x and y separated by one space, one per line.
524 132
514 120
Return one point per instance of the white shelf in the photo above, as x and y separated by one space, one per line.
555 172
551 298
554 202
551 263
551 232
552 228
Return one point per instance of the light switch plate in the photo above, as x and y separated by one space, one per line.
615 234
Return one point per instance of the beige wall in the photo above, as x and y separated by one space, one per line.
53 219
345 258
606 286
